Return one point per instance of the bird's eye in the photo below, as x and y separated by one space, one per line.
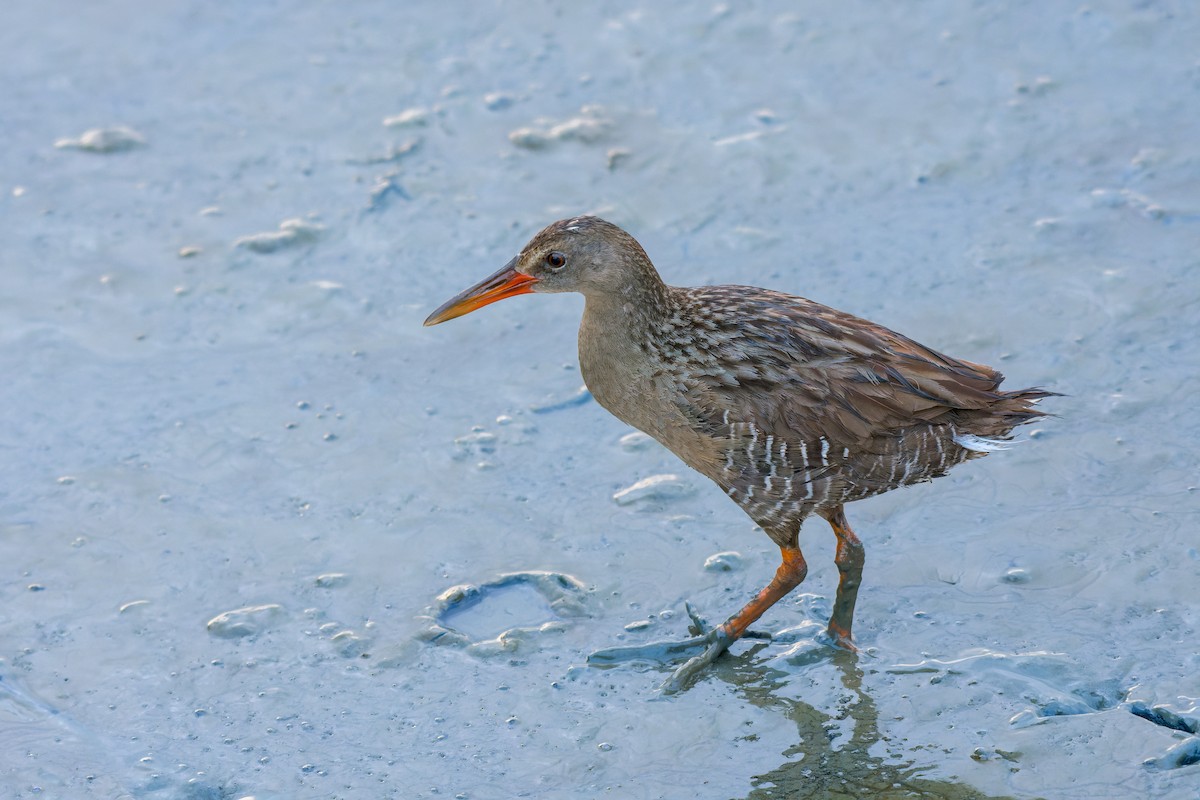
556 260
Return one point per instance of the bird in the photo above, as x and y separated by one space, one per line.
791 407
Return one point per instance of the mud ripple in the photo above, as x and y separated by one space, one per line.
513 612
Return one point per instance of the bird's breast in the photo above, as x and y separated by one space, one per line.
627 379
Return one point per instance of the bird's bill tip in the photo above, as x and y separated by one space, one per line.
505 283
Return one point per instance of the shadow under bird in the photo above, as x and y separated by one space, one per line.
791 407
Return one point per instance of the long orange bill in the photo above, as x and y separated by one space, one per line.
505 283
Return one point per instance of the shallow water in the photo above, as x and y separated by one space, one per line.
221 400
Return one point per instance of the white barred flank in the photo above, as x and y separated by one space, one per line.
762 473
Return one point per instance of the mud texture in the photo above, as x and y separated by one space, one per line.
238 474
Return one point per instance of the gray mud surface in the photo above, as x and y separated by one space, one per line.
237 476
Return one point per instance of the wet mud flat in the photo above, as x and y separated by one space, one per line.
267 537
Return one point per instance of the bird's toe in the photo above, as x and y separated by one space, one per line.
660 651
840 637
687 673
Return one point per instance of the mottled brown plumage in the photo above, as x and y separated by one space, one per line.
791 407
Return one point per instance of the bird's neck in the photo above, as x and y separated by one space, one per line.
616 340
639 304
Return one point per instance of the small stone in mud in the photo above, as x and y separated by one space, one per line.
1187 720
104 140
1017 575
497 101
407 119
246 621
588 127
992 753
477 443
635 441
349 644
291 232
656 487
529 138
1182 754
723 562
616 156
1038 86
576 398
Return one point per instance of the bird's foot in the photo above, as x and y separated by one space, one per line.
700 626
840 637
660 651
706 646
706 643
687 672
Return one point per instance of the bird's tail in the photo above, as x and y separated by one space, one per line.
1012 409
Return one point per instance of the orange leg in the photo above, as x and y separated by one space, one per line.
716 641
849 559
787 577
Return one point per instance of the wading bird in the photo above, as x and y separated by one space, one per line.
791 407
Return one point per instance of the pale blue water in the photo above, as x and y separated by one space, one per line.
196 426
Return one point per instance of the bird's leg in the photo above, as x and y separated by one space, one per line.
849 559
716 641
787 577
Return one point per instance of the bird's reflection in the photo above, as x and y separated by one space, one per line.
821 764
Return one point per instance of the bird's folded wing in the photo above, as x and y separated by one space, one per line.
793 367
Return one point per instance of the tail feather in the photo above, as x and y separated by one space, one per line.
1019 405
979 444
1009 410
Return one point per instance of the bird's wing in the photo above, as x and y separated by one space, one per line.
803 370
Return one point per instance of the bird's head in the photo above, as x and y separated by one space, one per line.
581 254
